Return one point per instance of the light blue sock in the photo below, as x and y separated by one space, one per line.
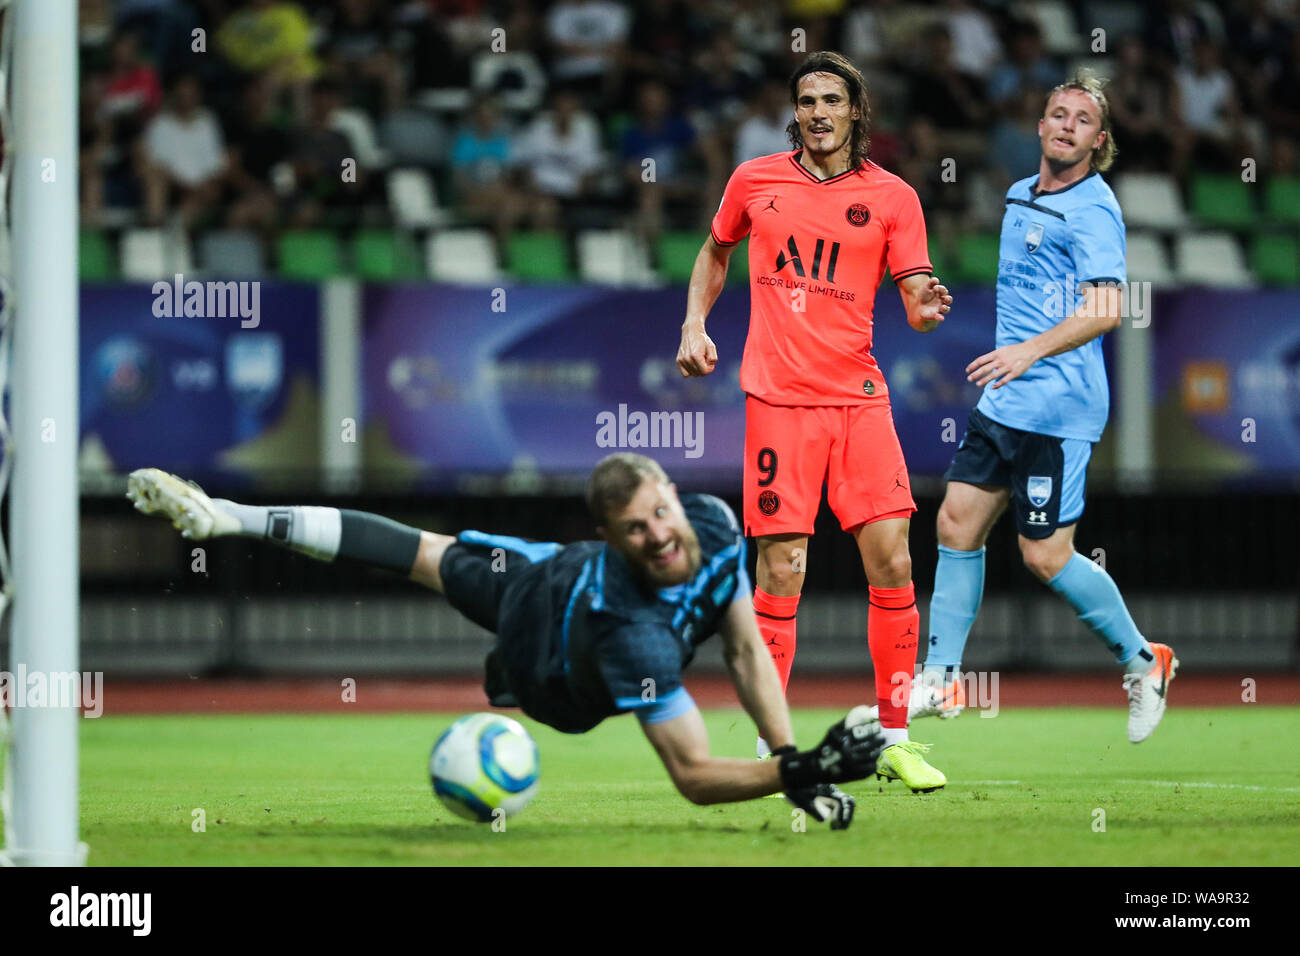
1092 593
958 590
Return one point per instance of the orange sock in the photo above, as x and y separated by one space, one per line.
775 616
892 625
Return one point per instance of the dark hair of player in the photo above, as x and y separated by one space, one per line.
615 480
828 61
1085 81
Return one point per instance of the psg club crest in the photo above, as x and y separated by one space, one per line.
1039 488
768 502
858 214
1034 236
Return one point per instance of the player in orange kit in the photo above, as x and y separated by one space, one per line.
823 223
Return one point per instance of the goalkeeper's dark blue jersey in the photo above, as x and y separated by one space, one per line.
581 638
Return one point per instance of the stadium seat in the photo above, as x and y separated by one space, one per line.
1282 199
977 258
234 254
1150 200
1275 259
1210 259
309 254
381 255
95 257
539 257
152 254
614 257
462 255
941 264
1223 201
412 137
1117 17
677 252
1147 260
412 199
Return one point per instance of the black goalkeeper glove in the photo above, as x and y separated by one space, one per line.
823 802
846 753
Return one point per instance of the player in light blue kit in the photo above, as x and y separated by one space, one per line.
1028 441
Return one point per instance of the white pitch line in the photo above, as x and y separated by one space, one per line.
1152 783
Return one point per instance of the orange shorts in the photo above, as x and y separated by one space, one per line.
791 451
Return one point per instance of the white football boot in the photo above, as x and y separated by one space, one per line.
932 700
191 511
1148 693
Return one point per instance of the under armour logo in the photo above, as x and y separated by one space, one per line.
1038 517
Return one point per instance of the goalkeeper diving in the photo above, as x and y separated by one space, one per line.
591 629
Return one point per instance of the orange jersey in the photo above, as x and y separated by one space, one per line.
817 252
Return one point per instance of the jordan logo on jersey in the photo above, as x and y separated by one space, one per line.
771 204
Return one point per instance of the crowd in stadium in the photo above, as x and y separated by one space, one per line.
532 115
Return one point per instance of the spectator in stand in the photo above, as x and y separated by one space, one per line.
133 94
664 34
258 159
360 49
274 38
1284 105
182 157
663 137
1028 68
975 44
318 164
764 131
952 100
1170 32
724 79
481 164
120 106
588 39
1257 47
1014 148
560 157
1207 107
1140 109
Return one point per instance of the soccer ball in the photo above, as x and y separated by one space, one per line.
483 763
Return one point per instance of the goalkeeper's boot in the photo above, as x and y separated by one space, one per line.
191 511
904 762
1147 693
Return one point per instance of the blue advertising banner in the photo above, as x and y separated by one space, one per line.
548 380
1228 383
172 377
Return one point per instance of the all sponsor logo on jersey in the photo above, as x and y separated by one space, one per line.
1039 489
819 255
858 214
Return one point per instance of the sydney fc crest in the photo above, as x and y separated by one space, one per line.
1034 236
1039 490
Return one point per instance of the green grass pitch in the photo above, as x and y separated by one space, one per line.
1216 787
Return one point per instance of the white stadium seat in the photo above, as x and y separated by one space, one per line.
152 254
412 199
614 257
1147 260
1056 21
1211 259
462 255
1150 200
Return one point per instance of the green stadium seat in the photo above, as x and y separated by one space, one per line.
309 254
539 257
381 255
95 259
677 252
1282 199
1275 259
1223 201
977 258
939 262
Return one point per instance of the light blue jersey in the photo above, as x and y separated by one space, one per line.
1052 242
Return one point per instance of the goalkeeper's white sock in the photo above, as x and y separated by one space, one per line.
311 530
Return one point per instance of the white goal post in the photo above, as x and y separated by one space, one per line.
40 100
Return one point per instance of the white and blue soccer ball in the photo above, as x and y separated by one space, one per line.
485 763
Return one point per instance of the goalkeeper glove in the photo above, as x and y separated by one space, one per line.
823 802
845 753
